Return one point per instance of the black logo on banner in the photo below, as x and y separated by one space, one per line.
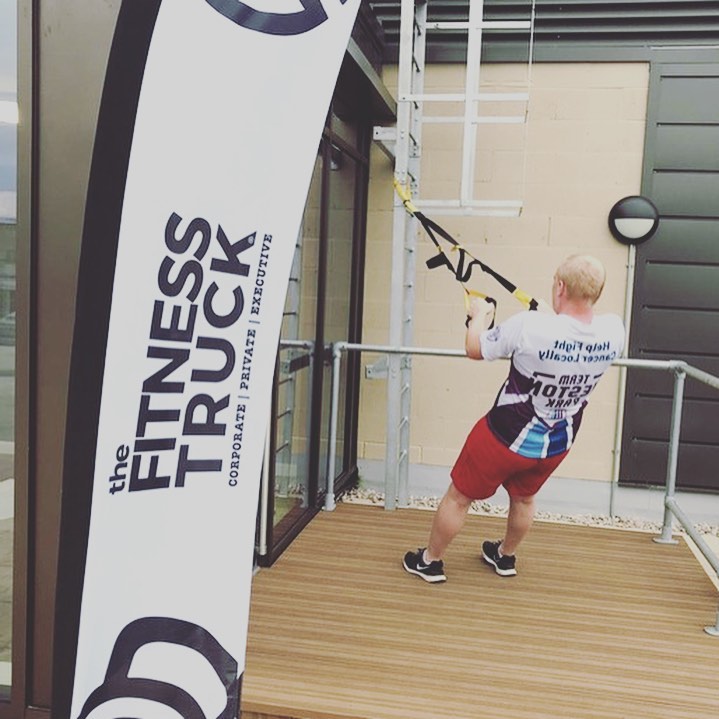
148 630
271 23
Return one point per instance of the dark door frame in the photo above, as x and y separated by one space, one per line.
24 662
347 474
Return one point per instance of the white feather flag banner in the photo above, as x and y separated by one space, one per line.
211 117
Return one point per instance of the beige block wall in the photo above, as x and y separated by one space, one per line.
580 152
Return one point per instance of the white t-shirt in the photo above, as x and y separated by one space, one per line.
556 361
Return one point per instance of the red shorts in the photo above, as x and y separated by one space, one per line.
485 463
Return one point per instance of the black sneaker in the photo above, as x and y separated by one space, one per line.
503 565
414 563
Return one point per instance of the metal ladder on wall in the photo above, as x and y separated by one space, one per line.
403 144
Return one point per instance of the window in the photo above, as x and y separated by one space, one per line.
8 204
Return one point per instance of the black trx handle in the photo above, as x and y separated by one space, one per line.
491 301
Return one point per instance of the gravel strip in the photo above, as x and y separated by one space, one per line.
372 497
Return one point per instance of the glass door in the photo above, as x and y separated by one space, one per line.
288 494
338 298
322 307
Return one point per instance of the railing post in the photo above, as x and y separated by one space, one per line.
673 456
330 504
394 411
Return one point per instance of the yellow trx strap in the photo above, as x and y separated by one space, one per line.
463 270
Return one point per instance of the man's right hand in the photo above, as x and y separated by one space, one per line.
482 311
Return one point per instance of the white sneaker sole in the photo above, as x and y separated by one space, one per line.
431 578
501 572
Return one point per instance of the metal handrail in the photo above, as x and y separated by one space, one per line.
680 369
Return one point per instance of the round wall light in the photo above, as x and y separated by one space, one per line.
633 220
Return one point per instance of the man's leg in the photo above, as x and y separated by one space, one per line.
448 520
519 520
500 554
476 473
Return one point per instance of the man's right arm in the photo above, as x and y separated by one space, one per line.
504 340
481 314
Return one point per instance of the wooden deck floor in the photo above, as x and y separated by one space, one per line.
599 624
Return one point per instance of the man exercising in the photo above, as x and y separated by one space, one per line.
556 361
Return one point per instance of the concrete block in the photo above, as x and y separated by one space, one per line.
543 103
591 103
373 450
440 456
441 165
556 136
443 137
591 75
615 136
415 454
445 317
634 102
492 137
578 200
508 166
526 230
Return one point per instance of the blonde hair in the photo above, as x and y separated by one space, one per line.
583 276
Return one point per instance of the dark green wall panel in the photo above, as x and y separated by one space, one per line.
688 147
676 293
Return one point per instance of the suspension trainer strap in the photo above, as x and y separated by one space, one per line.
463 270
